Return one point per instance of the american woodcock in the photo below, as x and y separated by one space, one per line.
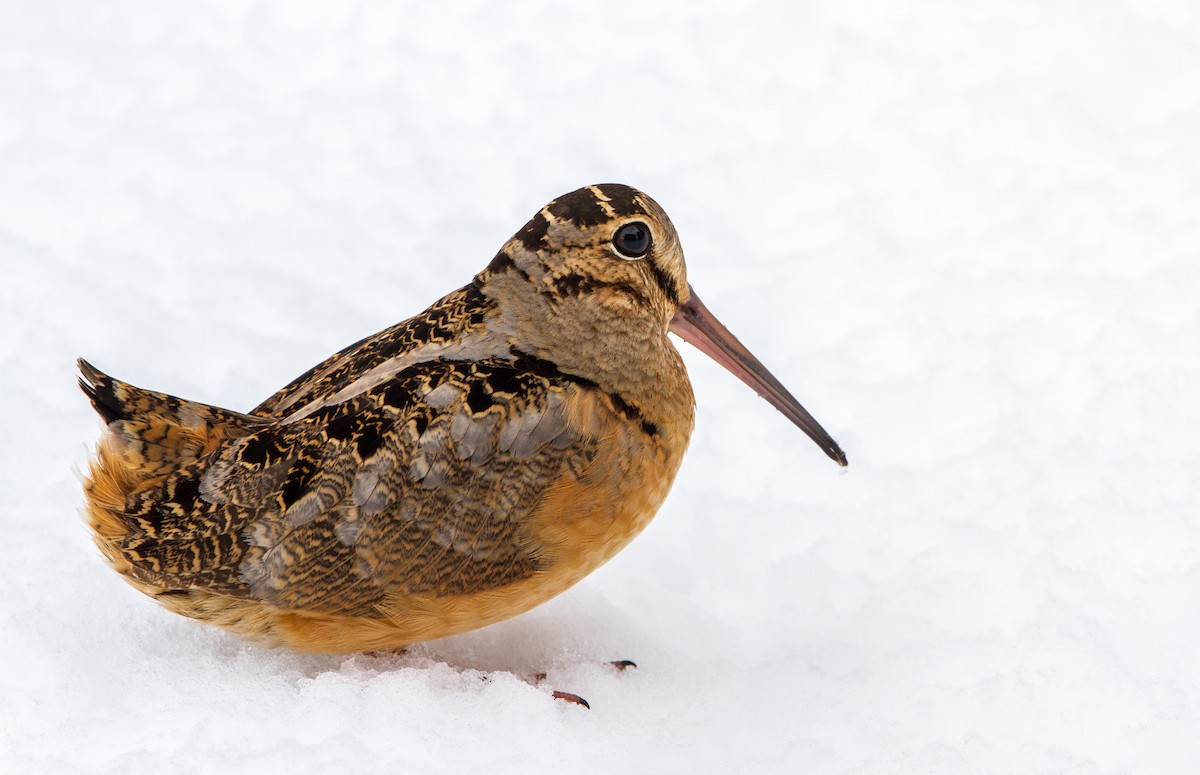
454 470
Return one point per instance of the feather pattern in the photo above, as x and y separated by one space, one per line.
449 471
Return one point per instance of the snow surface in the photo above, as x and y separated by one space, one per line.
965 234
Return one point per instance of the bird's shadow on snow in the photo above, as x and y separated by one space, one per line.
586 632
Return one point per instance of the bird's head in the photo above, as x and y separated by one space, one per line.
609 246
597 278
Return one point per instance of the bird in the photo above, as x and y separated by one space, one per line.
452 471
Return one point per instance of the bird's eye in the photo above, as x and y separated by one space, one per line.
632 240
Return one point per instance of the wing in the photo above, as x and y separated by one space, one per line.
417 485
443 325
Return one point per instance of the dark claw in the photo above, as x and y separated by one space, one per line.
575 698
620 664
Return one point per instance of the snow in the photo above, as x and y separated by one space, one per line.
964 234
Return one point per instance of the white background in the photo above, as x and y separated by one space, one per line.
965 234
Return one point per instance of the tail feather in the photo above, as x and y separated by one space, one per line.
99 388
148 436
115 400
157 433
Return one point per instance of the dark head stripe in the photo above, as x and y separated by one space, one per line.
503 262
664 281
622 199
574 285
581 208
533 234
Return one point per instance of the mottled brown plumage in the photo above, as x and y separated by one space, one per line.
449 472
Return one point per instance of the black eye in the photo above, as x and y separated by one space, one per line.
632 240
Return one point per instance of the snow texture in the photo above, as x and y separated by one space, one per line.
965 234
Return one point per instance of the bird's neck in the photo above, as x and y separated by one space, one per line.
602 340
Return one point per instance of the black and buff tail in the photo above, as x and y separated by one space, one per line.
148 436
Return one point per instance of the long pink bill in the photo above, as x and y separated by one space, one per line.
700 328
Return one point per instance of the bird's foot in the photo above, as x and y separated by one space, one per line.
538 678
568 697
